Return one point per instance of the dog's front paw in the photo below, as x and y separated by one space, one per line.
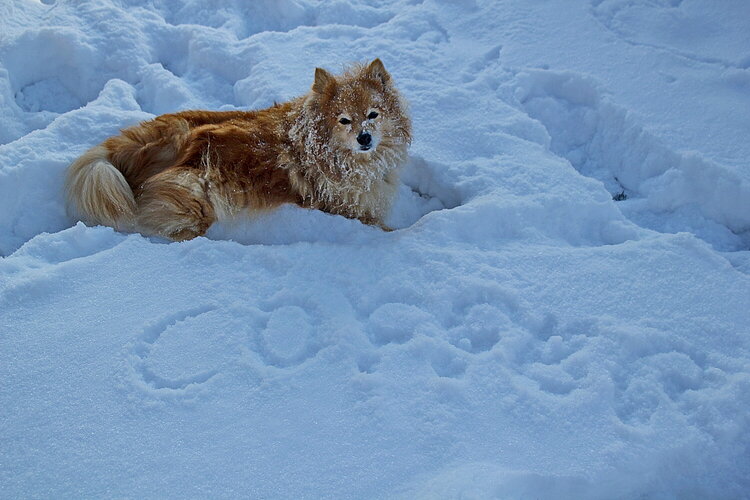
372 221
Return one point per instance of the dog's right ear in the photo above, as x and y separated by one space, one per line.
376 71
323 79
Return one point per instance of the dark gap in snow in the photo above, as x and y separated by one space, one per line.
656 188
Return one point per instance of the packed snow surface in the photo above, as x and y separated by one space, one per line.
563 311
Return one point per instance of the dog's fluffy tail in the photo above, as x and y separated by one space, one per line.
97 192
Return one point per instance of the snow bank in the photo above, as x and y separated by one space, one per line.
666 191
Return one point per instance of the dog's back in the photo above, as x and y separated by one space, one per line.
153 177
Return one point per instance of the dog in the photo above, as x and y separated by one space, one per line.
338 148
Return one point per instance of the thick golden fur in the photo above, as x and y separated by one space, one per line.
175 175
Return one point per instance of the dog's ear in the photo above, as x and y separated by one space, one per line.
376 71
322 80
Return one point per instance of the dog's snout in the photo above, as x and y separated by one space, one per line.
364 138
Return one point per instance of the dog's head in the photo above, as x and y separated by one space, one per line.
362 109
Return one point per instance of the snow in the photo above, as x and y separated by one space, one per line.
520 335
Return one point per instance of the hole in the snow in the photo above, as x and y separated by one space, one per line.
49 94
654 186
422 191
49 70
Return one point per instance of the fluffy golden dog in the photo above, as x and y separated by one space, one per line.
338 149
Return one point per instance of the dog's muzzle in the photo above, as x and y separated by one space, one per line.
365 141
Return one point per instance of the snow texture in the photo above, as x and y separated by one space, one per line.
562 313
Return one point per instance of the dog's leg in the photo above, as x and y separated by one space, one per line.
174 204
374 221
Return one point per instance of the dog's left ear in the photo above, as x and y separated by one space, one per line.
323 79
376 71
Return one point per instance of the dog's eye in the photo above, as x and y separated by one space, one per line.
372 115
345 121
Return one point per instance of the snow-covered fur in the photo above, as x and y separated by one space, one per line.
337 149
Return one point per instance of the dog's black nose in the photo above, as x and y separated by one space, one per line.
364 138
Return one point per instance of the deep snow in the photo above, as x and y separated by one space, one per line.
522 335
